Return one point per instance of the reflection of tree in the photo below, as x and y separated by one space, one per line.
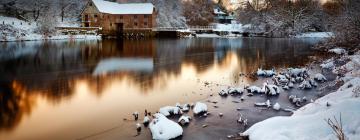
14 104
272 53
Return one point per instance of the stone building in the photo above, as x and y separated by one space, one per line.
118 18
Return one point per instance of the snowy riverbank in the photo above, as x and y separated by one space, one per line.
12 29
309 122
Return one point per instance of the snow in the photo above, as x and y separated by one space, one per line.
315 35
266 73
319 77
294 72
223 93
25 31
200 108
232 91
272 90
185 118
208 35
235 91
329 64
186 107
254 89
168 110
233 27
123 64
267 104
308 123
219 12
138 125
163 128
282 78
338 51
146 120
276 106
305 85
129 8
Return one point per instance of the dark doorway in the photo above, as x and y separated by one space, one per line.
86 20
119 29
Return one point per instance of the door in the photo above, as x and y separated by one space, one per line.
86 20
119 29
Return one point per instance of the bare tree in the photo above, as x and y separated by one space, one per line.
64 6
347 25
199 12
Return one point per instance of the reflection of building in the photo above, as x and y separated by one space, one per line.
114 17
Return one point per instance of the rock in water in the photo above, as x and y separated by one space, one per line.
200 108
163 128
266 104
276 106
265 73
146 120
168 110
221 114
138 127
319 77
184 119
136 115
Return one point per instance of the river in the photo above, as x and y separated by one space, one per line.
88 89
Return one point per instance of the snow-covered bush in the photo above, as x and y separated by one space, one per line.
46 25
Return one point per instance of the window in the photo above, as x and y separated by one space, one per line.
135 17
90 4
146 16
145 24
121 17
135 24
95 16
110 24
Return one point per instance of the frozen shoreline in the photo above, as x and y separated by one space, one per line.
37 37
308 121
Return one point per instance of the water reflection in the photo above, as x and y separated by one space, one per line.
42 78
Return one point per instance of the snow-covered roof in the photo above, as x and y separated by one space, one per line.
123 9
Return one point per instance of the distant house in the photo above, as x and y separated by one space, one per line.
115 18
222 17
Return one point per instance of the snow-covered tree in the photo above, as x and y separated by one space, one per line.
346 25
169 13
199 12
